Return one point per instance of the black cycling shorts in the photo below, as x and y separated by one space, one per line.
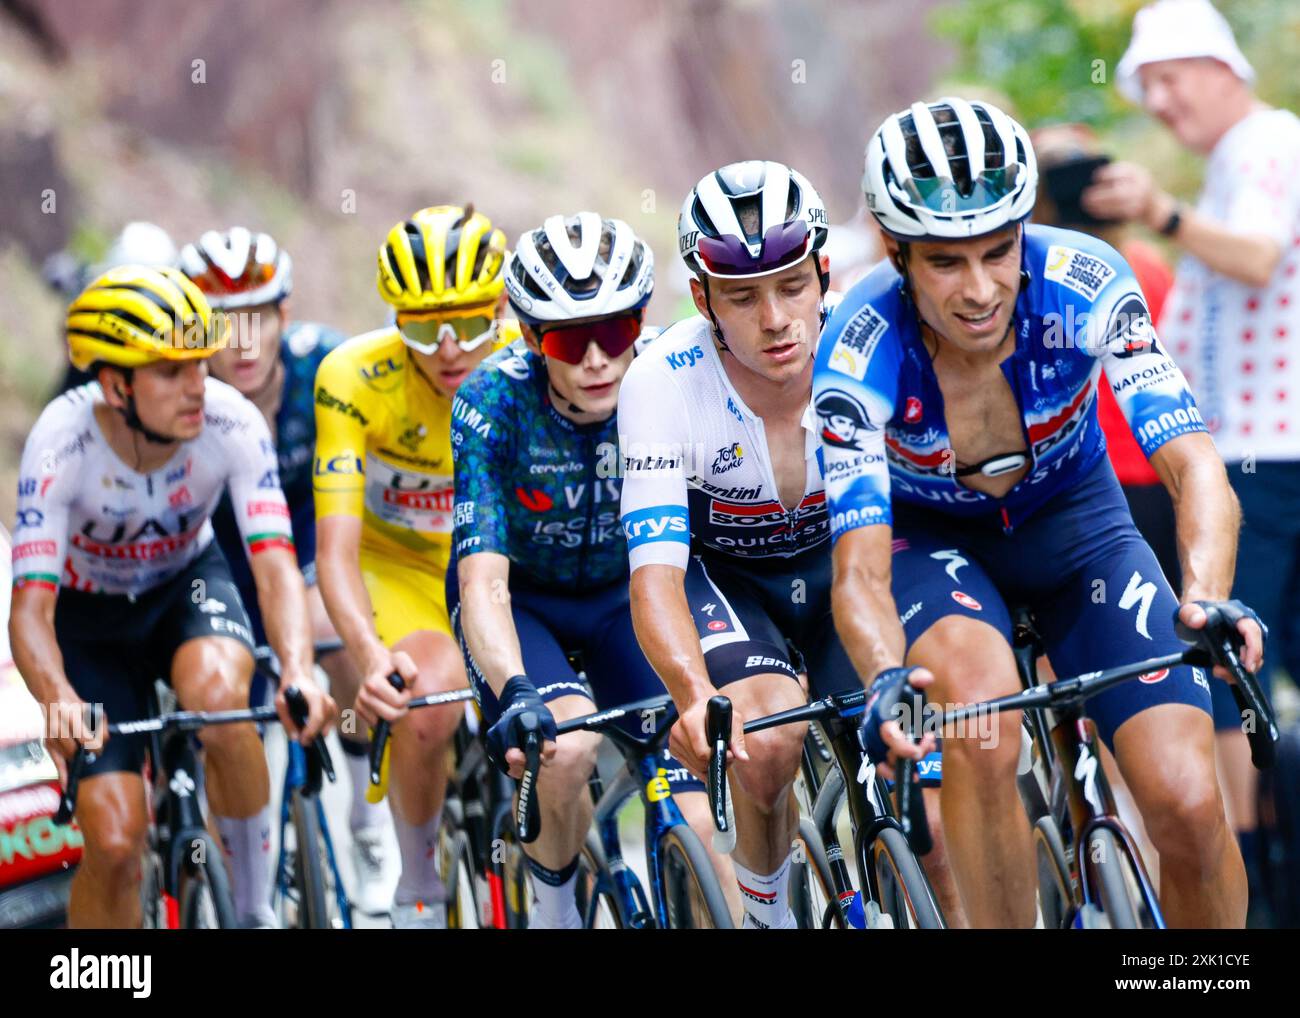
750 615
115 646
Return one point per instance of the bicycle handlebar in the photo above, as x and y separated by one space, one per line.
182 721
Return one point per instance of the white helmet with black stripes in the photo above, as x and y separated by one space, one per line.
949 170
750 219
580 267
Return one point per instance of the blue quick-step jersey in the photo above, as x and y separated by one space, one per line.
880 409
531 484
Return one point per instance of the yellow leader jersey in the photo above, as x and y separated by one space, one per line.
383 447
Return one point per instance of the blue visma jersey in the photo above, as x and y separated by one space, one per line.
880 409
531 484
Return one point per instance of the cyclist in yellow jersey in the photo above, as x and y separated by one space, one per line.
384 506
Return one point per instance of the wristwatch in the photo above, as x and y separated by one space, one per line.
1174 221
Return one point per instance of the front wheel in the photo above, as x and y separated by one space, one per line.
905 894
1116 883
204 896
597 903
693 899
456 868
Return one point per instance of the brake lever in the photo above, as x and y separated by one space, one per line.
527 812
718 713
379 739
299 713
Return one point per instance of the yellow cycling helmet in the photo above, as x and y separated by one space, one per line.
134 315
442 257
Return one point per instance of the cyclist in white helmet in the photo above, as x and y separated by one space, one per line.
724 504
537 514
975 474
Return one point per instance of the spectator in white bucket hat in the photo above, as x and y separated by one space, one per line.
1232 319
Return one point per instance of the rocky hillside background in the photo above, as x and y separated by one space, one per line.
324 122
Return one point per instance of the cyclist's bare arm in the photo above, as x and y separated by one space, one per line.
485 617
661 617
36 651
865 615
1208 518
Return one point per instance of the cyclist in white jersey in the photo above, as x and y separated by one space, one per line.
117 580
723 500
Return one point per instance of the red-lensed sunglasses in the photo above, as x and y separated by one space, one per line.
569 343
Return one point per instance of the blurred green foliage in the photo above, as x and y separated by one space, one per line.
1056 59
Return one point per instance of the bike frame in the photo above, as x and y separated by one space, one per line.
297 775
1080 786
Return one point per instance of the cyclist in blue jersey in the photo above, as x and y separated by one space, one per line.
272 361
540 555
965 469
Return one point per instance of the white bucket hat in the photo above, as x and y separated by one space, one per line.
1175 30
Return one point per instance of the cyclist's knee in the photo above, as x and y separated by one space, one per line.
574 760
773 763
1186 825
212 673
430 729
986 745
113 850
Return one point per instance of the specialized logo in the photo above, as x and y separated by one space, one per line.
844 422
912 410
709 609
953 557
535 499
966 601
728 458
1140 595
1082 273
856 342
685 358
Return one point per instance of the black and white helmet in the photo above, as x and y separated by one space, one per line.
790 223
580 267
949 170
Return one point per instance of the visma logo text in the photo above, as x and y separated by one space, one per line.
75 971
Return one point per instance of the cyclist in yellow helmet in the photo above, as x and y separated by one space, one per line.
118 580
384 502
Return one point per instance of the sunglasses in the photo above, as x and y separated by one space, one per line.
427 332
569 343
783 245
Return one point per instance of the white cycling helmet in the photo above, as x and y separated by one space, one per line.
238 268
791 222
949 170
580 267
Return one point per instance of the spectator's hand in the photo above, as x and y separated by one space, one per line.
1128 193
